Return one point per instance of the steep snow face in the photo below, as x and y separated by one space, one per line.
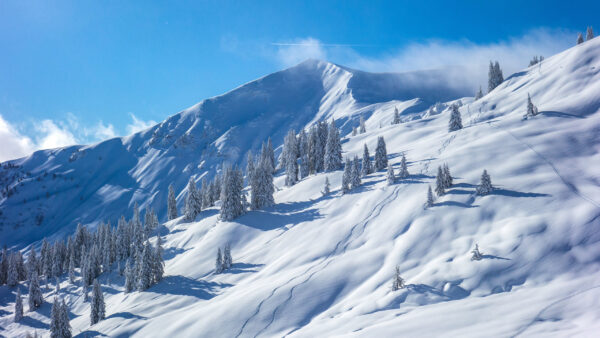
51 191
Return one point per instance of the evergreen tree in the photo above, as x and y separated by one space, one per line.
57 285
439 183
145 268
231 194
333 148
347 177
290 159
249 168
495 77
4 267
204 192
398 282
391 178
13 275
304 166
455 122
32 263
262 186
158 263
579 38
65 327
55 319
367 168
380 154
129 276
270 154
227 260
193 201
476 254
171 204
355 173
403 169
396 116
35 297
219 262
354 131
362 127
531 108
72 271
479 94
21 270
429 202
447 177
97 307
499 76
326 188
485 187
18 306
589 34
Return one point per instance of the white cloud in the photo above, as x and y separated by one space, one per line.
53 135
104 132
291 53
14 145
138 125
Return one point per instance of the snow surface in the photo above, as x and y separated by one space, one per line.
314 265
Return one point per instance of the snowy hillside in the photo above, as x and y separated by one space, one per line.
52 190
314 265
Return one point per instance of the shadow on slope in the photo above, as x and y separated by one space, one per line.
184 286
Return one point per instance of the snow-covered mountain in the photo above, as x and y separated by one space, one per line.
314 265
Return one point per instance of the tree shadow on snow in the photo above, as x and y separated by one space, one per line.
242 268
125 315
494 257
184 286
454 204
35 323
90 333
266 221
459 192
172 252
561 114
512 193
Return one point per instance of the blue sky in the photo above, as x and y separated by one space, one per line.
82 71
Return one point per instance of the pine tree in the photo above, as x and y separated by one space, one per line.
333 148
367 168
499 76
32 263
354 131
4 267
219 262
270 154
396 116
589 34
72 271
380 154
429 202
158 263
579 38
455 122
262 187
355 174
57 285
193 202
65 327
479 94
171 204
55 321
97 307
495 77
476 254
391 178
346 177
531 108
403 169
35 297
227 260
326 187
362 128
290 159
129 276
13 275
18 306
485 187
249 168
304 166
447 177
144 266
397 282
21 270
439 183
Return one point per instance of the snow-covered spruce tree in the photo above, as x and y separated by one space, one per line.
367 168
316 153
65 327
476 254
326 187
158 267
193 201
479 94
495 77
262 188
579 38
391 178
346 177
171 204
380 154
589 34
355 174
403 169
304 166
396 119
354 131
55 319
455 122
35 297
227 260
270 154
333 148
129 276
531 108
447 177
219 262
302 143
439 183
72 271
32 263
249 168
429 202
362 127
485 186
499 76
397 281
97 307
12 275
289 158
4 266
57 285
18 306
231 194
144 273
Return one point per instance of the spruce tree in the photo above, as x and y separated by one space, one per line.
171 204
219 262
290 159
380 154
531 108
249 168
129 276
72 271
455 122
403 169
65 327
347 177
362 128
396 116
55 319
13 275
4 267
97 307
391 178
579 38
367 168
439 183
429 202
354 131
333 148
35 297
227 260
447 177
476 254
355 181
145 268
159 262
485 187
262 187
32 263
18 306
304 166
397 282
193 202
479 94
326 187
499 76
589 34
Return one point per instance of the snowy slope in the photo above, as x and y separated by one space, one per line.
322 266
57 188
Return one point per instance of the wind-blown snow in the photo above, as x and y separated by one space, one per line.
316 265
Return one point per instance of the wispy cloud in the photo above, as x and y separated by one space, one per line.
138 124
